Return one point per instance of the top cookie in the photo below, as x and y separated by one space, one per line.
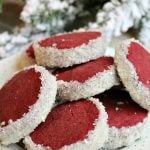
68 49
132 61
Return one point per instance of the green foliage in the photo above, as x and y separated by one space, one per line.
86 14
1 4
59 20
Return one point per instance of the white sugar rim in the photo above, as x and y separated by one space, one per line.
53 57
127 72
10 147
94 140
20 128
126 136
100 82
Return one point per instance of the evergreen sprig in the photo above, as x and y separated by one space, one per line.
1 5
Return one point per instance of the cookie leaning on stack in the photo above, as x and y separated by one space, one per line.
133 61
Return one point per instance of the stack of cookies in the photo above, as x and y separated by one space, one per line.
75 97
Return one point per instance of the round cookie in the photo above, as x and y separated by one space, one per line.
71 126
68 49
25 101
127 120
87 79
133 61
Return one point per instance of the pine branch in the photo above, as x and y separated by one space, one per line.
1 5
119 16
47 15
144 34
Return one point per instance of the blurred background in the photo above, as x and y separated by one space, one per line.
24 21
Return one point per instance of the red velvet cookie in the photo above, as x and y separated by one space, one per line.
126 119
133 65
68 49
73 125
87 79
25 101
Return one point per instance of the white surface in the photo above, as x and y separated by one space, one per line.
11 147
143 144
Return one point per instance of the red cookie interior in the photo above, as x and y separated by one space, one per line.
83 72
122 110
140 58
30 51
18 94
66 124
70 40
66 41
